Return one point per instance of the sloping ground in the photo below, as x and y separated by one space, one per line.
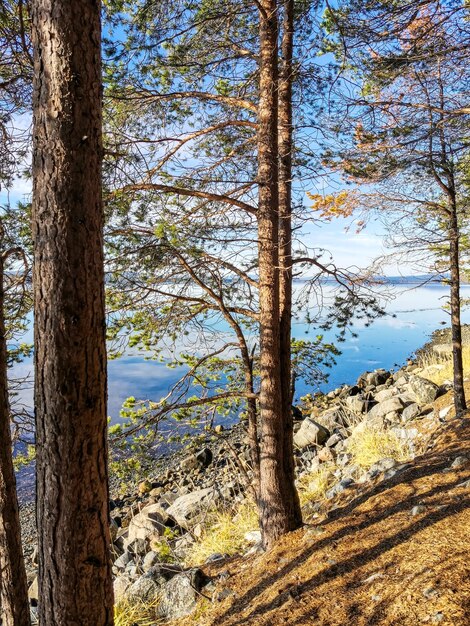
369 561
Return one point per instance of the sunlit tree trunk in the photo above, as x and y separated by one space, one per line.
75 584
278 511
456 326
285 239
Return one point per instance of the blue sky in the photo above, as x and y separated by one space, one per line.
347 247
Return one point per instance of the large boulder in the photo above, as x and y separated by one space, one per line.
385 394
356 404
187 508
410 412
330 419
382 409
147 586
144 589
146 524
423 390
311 433
199 460
179 596
373 379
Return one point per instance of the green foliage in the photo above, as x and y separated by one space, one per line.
310 358
163 546
22 460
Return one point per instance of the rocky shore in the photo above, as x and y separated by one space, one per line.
155 525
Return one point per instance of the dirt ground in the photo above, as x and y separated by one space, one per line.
369 561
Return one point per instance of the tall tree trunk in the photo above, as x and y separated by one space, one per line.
75 584
14 605
459 391
252 415
285 240
277 509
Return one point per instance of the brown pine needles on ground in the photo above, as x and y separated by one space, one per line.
370 561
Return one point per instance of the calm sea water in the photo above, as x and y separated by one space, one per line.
413 313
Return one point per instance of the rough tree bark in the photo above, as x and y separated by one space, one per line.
14 604
456 326
75 584
285 241
277 510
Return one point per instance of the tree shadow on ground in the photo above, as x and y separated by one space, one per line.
426 466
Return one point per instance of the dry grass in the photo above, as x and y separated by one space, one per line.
438 367
313 485
371 444
373 563
133 613
224 533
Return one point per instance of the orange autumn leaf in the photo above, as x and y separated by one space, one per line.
341 204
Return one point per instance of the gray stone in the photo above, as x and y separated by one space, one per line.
121 562
459 461
253 536
33 591
437 618
345 483
424 391
163 572
343 459
356 404
329 419
143 589
150 560
256 548
444 412
148 523
391 473
386 464
401 381
189 463
418 509
188 507
121 584
132 571
178 597
310 433
333 440
385 407
385 394
121 539
138 546
204 458
217 556
410 412
331 492
223 595
308 455
373 379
